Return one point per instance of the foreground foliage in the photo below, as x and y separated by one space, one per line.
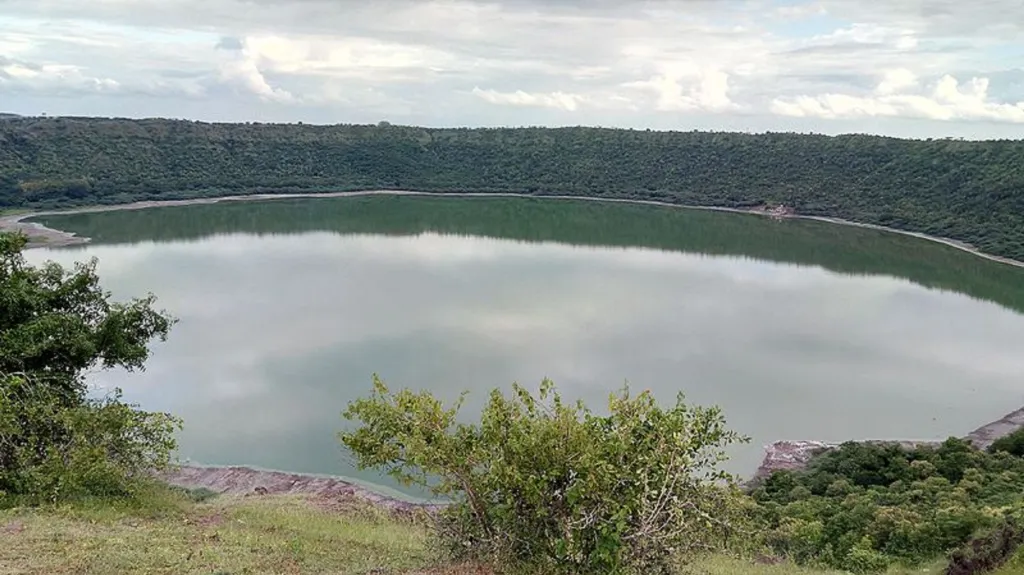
160 531
541 485
969 191
56 440
863 507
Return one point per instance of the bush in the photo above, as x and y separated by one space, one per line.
539 485
52 452
1012 444
988 551
56 442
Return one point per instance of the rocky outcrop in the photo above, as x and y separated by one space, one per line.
789 455
985 435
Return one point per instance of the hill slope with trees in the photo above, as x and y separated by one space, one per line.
964 190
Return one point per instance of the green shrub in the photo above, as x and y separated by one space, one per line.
57 442
54 452
1012 444
863 558
540 485
987 551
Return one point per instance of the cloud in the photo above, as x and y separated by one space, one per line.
756 64
559 100
64 78
900 94
229 43
708 91
241 69
985 20
896 80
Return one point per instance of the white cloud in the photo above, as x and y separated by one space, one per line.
241 69
755 65
675 91
899 94
61 77
558 100
345 56
863 33
896 80
798 11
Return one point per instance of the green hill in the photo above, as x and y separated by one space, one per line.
965 190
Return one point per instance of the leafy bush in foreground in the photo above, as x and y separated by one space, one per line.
56 442
987 551
540 485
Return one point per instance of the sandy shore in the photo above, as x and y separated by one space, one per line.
42 236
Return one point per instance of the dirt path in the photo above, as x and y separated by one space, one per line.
40 235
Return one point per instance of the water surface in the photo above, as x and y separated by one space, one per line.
797 329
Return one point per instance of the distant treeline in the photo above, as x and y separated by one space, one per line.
969 191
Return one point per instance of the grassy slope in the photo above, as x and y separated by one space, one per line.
224 535
262 534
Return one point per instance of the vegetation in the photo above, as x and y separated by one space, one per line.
56 441
969 191
162 532
543 486
863 507
539 486
1012 444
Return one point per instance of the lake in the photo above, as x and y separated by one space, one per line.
797 329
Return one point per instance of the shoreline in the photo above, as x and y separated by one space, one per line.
243 480
42 236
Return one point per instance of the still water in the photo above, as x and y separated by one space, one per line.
798 330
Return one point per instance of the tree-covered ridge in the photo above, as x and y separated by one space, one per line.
970 191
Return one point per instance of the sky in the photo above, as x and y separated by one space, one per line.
908 68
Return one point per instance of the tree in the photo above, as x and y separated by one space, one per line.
57 324
55 440
1012 443
541 485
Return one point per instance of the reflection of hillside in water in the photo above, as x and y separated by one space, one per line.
841 249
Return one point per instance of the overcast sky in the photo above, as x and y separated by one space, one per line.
920 68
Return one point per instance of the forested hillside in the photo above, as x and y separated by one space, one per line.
969 191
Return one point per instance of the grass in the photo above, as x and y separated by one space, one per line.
177 533
229 535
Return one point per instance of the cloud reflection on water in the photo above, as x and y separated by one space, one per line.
278 332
